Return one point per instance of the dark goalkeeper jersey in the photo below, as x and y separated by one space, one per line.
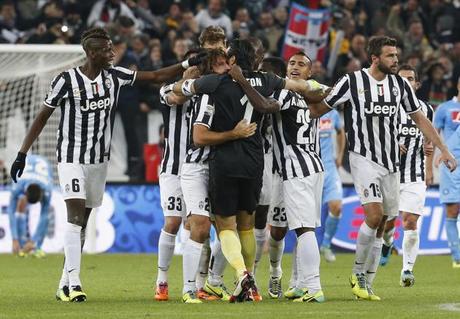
242 158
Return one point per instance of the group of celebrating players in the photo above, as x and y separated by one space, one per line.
249 141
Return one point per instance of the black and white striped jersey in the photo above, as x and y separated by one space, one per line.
87 112
296 147
266 132
371 114
175 119
203 108
412 163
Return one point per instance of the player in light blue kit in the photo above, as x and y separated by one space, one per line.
332 189
34 186
447 121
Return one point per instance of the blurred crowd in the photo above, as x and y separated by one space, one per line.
149 35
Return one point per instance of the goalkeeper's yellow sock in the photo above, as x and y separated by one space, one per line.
248 247
231 248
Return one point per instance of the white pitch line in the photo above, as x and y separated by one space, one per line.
450 306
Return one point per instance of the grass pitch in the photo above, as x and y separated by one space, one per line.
120 286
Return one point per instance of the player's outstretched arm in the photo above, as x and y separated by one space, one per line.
34 131
170 72
258 101
431 134
203 136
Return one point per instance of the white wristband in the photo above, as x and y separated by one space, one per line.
185 64
187 87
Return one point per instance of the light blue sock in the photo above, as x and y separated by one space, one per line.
452 238
330 229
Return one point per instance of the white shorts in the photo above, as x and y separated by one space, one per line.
194 182
266 191
303 200
277 213
412 197
84 181
375 184
172 199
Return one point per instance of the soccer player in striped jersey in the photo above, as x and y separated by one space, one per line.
332 190
87 96
297 190
372 99
176 114
412 189
446 121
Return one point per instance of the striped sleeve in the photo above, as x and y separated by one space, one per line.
205 111
429 112
284 97
125 76
57 92
408 99
340 93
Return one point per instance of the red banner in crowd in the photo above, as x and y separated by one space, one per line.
307 30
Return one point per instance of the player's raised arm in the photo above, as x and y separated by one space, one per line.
258 101
37 126
170 72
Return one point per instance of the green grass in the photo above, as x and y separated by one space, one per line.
120 286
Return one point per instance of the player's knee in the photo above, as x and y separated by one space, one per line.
261 217
172 225
452 210
278 233
335 208
76 219
21 205
410 222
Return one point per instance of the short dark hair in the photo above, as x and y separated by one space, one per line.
376 43
191 51
244 53
407 67
93 33
212 34
301 53
33 193
275 65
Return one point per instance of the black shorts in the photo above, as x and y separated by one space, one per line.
232 194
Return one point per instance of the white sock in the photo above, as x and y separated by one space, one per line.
190 263
373 260
261 238
184 235
217 265
294 273
203 265
64 277
410 249
72 250
166 245
308 262
388 237
364 242
276 250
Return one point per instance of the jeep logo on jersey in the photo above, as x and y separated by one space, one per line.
408 130
95 105
380 109
431 225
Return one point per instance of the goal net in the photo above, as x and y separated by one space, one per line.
26 73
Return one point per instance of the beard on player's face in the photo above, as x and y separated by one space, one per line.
387 69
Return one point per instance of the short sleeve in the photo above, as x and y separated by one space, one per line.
273 82
205 109
409 101
125 76
429 112
440 117
207 84
57 92
340 93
